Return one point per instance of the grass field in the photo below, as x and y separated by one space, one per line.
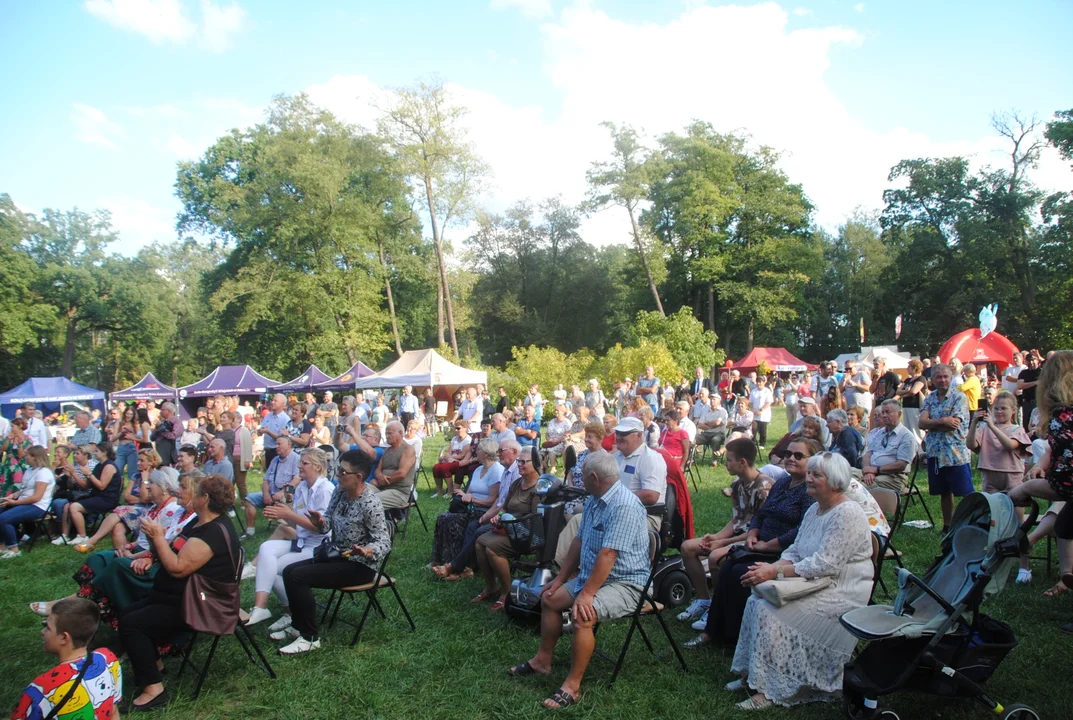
455 664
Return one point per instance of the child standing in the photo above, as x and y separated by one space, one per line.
1002 445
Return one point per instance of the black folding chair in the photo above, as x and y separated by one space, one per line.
35 528
402 515
691 465
240 633
369 590
912 493
646 607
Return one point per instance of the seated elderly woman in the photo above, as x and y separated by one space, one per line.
127 518
358 540
467 505
208 547
299 538
494 549
741 420
116 579
456 455
773 529
556 438
104 484
795 653
28 503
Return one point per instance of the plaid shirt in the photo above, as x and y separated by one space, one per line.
618 521
948 447
85 437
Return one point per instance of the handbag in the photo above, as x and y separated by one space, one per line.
741 555
212 606
326 552
457 506
780 592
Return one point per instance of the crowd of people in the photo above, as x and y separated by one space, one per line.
335 478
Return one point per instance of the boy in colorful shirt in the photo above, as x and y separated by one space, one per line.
66 633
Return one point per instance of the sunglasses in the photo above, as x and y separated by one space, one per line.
797 455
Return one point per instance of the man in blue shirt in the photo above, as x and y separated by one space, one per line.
273 424
611 558
648 388
409 407
527 431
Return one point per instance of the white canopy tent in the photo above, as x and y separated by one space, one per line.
895 360
422 368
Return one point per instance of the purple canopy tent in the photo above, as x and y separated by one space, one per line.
347 379
305 382
148 388
225 380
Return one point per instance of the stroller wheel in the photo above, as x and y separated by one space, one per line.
1019 712
856 711
889 715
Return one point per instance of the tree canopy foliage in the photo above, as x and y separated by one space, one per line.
304 239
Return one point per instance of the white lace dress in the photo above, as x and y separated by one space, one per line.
794 654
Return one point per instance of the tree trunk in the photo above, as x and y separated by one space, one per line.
69 340
749 337
438 241
390 299
644 261
439 314
711 307
115 362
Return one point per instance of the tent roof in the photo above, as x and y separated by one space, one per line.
50 390
346 380
148 388
422 368
895 361
777 359
968 347
840 360
311 376
229 380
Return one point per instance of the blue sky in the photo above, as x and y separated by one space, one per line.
103 97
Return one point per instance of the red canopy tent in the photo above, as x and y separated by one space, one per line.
776 359
968 347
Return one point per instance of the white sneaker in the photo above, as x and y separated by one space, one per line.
249 571
231 513
1024 576
694 610
702 623
258 615
433 496
24 538
8 554
734 685
283 623
80 540
59 540
287 632
300 645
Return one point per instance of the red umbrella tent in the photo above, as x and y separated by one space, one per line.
968 347
776 359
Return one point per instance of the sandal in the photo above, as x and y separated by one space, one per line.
441 571
482 596
85 547
754 704
39 608
499 604
561 698
1059 589
524 670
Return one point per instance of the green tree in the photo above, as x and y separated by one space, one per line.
623 181
621 362
1059 133
683 335
426 131
24 314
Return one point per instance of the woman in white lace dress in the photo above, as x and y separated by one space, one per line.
795 653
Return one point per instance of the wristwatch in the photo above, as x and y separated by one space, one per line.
779 575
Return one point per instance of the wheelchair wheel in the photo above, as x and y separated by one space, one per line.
854 710
675 589
1019 712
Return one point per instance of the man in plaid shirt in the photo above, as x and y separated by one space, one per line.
610 556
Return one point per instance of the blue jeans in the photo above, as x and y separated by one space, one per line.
126 457
13 516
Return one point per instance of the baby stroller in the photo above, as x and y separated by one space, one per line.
934 639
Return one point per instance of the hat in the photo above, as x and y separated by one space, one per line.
806 401
629 425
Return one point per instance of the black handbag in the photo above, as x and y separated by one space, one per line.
326 552
740 555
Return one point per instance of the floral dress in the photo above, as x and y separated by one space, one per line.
14 464
1060 440
132 515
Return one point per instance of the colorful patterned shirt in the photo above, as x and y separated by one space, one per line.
96 698
746 499
948 447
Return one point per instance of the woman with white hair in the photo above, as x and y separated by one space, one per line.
277 554
795 653
116 579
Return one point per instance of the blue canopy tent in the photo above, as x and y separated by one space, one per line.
50 395
241 380
346 381
148 388
303 383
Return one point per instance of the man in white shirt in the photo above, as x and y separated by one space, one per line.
470 410
711 424
684 422
36 429
1009 378
761 399
362 409
641 469
856 386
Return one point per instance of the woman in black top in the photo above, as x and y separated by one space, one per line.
912 393
208 547
105 487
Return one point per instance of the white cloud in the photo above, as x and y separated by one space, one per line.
219 24
184 149
859 7
529 8
168 21
802 11
139 223
93 127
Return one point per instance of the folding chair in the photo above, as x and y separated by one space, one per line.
1048 558
890 504
240 633
691 465
403 514
370 590
35 528
646 606
877 567
912 493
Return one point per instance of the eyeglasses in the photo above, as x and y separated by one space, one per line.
797 455
522 461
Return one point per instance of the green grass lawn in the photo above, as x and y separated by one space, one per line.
455 664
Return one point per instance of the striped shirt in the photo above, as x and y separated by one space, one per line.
618 521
